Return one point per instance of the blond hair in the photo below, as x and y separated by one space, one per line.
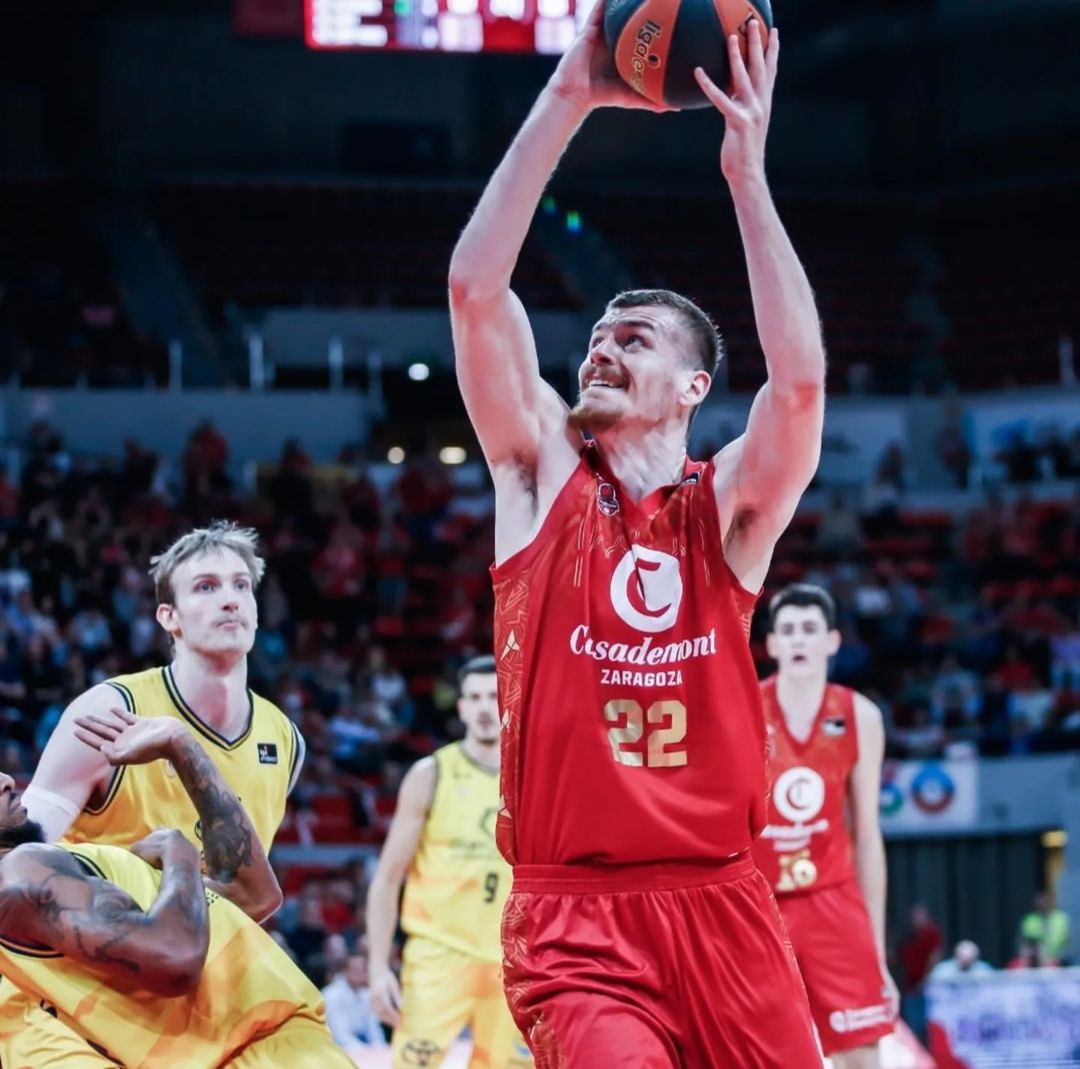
221 534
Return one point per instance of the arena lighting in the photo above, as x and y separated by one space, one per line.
419 372
395 454
452 454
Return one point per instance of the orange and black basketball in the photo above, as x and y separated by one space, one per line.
657 44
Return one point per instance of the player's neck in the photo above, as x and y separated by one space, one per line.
644 462
487 756
216 691
800 698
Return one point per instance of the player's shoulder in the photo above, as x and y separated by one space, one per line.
419 783
442 755
866 709
29 861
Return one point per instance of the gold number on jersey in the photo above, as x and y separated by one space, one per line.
672 715
667 721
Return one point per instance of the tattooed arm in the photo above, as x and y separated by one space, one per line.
236 863
47 899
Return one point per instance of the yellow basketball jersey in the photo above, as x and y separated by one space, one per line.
458 882
248 987
258 766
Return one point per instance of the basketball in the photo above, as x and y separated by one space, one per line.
656 44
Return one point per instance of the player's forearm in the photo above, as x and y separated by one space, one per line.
236 863
488 248
784 308
870 872
179 913
382 919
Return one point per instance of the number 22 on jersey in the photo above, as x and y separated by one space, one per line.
666 723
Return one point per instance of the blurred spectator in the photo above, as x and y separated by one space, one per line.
953 450
921 737
1049 927
329 963
387 685
839 529
309 933
1030 955
1065 660
349 1015
918 952
965 961
356 735
883 494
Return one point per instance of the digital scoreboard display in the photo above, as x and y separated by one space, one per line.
543 26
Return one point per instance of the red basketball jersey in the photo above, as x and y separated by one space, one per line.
632 727
806 844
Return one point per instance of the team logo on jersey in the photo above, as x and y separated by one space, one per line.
606 500
420 1052
835 725
799 794
267 753
647 589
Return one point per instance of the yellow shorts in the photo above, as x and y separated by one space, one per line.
31 1038
443 992
300 1043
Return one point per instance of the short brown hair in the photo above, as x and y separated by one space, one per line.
221 534
709 344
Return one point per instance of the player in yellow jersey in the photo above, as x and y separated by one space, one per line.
157 969
205 585
441 845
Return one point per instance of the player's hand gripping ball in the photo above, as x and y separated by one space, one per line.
656 44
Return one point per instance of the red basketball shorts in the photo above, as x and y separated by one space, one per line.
653 967
833 939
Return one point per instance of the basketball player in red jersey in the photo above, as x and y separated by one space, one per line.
825 749
638 932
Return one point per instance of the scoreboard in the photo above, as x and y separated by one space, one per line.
543 26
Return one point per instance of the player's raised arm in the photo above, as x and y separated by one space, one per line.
47 899
236 864
512 409
864 796
384 895
762 476
69 772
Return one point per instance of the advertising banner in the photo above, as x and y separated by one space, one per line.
1023 1017
918 797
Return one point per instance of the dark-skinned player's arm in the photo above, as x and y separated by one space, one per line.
49 901
864 800
402 841
236 864
761 476
520 420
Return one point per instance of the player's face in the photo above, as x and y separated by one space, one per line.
637 370
213 610
478 707
801 642
16 827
